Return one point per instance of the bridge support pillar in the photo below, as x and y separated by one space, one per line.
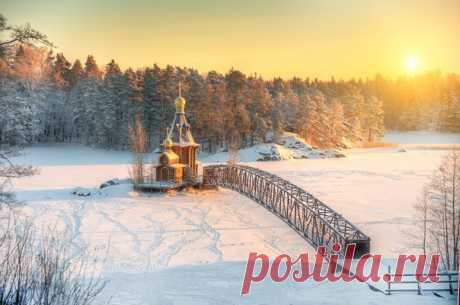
362 247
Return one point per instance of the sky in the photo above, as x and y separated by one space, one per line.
286 38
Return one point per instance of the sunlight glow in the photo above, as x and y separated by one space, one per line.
411 64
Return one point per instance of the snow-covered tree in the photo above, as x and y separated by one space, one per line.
336 130
449 117
373 120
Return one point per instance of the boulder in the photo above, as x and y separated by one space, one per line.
83 192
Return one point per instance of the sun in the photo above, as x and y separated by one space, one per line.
411 64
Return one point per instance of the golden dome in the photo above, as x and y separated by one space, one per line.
168 143
168 158
180 104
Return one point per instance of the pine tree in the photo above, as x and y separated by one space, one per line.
29 65
91 118
196 100
91 69
311 125
60 72
259 107
130 105
237 121
286 102
167 93
336 124
110 105
322 112
353 103
87 96
14 113
76 73
211 117
374 120
450 112
152 104
409 118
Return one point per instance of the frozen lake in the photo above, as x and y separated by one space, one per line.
190 248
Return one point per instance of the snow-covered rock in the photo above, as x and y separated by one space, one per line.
293 140
82 191
291 146
269 152
109 183
115 181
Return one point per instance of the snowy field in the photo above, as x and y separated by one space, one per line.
190 248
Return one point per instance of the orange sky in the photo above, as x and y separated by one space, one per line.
306 38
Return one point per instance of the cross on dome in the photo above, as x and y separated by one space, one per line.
180 101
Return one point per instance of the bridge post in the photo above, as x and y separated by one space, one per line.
362 247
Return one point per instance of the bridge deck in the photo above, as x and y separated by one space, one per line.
312 219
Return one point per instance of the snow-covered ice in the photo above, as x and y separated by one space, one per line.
422 137
191 247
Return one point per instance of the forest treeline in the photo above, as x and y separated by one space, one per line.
45 98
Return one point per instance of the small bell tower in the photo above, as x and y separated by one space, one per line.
180 133
179 142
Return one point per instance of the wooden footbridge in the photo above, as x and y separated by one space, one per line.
312 219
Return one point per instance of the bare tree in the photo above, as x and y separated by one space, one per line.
21 34
39 269
421 208
439 212
9 171
233 149
138 143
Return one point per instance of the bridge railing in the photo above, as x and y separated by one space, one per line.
311 218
